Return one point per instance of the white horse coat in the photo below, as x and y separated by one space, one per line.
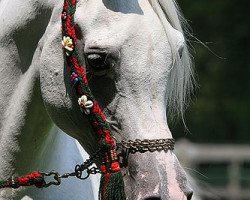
142 49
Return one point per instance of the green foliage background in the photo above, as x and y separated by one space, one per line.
220 110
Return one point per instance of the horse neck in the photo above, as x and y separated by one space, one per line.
23 128
23 120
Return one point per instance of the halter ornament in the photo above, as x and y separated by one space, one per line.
111 186
87 102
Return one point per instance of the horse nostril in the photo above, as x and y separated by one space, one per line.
189 196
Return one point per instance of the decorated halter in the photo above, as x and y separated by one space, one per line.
112 185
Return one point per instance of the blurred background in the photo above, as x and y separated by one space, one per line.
216 150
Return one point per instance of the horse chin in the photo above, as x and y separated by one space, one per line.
155 175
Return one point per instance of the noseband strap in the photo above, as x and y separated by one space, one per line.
143 146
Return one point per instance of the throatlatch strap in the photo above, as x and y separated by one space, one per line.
112 186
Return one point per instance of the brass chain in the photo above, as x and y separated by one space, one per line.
143 146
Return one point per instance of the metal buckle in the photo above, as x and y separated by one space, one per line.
56 176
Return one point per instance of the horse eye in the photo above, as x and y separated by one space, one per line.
98 61
180 51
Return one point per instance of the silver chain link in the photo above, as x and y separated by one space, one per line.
79 169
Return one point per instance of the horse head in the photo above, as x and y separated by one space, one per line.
135 56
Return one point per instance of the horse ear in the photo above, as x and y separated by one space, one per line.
181 79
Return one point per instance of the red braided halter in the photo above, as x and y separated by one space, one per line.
87 102
110 166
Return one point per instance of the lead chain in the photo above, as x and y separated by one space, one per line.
79 169
126 147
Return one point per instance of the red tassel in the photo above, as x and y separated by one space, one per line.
107 177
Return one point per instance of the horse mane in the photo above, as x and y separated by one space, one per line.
181 79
